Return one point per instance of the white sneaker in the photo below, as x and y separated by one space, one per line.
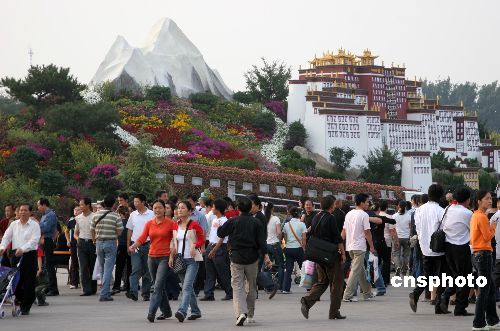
72 287
479 329
241 319
370 297
286 292
353 299
250 320
494 327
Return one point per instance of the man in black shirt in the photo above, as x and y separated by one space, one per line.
246 242
324 226
339 214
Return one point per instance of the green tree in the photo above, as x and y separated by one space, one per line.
441 161
341 157
158 93
9 106
447 180
329 175
383 167
270 82
44 86
488 105
488 181
244 97
23 161
140 169
290 159
296 135
51 182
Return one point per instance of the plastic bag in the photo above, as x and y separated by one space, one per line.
96 275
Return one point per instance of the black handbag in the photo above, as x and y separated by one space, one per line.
320 251
438 237
180 265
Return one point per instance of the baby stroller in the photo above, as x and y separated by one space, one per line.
9 277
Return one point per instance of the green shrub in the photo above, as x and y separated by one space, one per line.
240 163
51 182
18 189
22 161
296 136
330 175
244 97
204 101
292 160
158 93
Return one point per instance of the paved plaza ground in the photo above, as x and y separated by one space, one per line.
70 312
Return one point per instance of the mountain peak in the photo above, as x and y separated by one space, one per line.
167 38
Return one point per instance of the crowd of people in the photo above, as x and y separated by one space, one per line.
180 250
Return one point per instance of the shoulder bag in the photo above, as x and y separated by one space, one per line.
179 263
294 234
320 251
438 237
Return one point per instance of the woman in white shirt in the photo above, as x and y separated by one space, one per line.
401 252
294 251
274 241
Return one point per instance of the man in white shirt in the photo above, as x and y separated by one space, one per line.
139 258
427 219
217 263
356 233
210 216
85 247
456 226
24 234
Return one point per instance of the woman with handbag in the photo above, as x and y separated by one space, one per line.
160 233
294 251
186 251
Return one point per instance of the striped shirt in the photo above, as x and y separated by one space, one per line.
107 227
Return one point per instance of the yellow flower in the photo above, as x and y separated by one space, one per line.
181 122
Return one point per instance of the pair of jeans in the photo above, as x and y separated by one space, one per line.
139 261
188 278
86 259
433 266
244 283
485 301
106 256
417 265
292 255
217 268
328 276
122 261
276 255
379 283
402 255
458 258
356 275
50 265
159 269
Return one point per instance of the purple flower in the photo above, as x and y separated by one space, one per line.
42 152
278 108
104 170
74 192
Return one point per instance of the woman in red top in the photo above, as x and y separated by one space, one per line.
188 241
160 232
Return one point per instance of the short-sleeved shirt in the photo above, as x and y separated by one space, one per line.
324 226
272 235
299 228
216 223
108 225
356 222
83 225
136 222
403 225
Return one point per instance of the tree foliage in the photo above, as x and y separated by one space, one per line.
23 161
270 82
204 101
488 181
296 135
441 161
140 169
51 182
446 179
44 86
341 157
244 97
383 167
290 159
329 175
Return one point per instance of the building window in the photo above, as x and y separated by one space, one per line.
247 186
281 189
197 181
178 179
214 182
297 191
264 188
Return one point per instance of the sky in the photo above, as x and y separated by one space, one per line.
433 38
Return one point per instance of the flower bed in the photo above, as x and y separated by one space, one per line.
273 180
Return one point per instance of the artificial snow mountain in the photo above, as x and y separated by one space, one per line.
168 58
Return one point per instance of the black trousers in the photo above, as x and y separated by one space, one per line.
199 283
74 270
122 260
25 290
218 268
86 259
458 259
433 266
384 254
50 264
